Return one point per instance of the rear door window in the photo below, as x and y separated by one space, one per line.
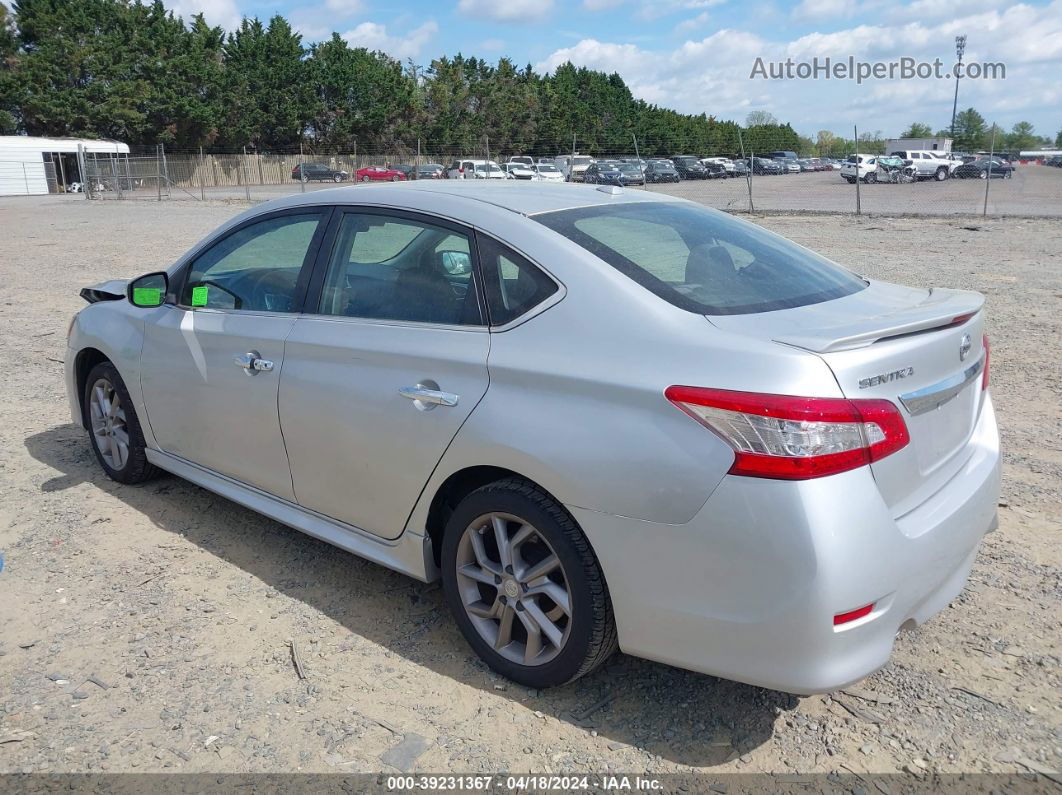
701 260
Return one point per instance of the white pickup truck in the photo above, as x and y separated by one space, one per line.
929 164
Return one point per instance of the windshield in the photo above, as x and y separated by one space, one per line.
629 168
492 167
547 168
580 161
701 260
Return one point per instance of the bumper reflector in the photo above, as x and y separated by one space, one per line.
852 615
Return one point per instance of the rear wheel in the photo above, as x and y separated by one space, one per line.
337 178
524 586
365 178
114 428
395 178
871 177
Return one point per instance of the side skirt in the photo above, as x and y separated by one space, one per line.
408 554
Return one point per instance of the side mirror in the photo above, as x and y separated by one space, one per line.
149 290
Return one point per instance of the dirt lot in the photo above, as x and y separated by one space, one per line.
179 605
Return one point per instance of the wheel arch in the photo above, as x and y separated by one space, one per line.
84 362
459 485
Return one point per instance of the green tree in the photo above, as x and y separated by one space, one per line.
969 131
917 130
1021 136
268 98
10 89
1058 140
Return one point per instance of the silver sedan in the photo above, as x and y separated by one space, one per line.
604 418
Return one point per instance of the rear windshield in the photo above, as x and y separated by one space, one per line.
701 260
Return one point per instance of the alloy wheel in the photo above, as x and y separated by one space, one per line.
514 589
107 416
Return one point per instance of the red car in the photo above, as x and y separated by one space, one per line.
379 174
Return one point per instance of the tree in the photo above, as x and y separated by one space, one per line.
917 130
969 131
1021 136
10 89
1058 140
760 118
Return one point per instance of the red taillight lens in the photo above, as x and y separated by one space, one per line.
795 438
984 373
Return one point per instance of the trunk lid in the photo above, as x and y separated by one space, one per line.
905 345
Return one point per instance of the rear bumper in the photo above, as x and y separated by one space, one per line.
748 589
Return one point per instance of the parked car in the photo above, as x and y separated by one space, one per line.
864 167
319 172
475 169
547 172
985 167
381 174
741 168
430 171
526 160
632 174
725 162
661 171
1054 160
926 164
788 165
604 172
765 166
520 170
770 496
573 166
689 167
715 170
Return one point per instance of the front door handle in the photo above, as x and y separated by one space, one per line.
253 363
428 397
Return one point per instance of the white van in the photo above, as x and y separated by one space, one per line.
475 169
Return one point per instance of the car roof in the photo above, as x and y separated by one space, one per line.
519 197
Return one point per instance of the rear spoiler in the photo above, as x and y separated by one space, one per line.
940 309
113 290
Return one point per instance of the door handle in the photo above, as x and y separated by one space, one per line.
429 397
253 363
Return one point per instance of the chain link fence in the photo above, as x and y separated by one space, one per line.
817 184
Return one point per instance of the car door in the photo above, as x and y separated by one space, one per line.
384 366
212 361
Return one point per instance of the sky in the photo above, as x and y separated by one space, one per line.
698 56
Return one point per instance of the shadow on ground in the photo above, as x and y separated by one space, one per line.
687 718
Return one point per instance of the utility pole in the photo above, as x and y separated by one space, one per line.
960 48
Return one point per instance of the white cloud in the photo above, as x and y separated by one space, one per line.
345 7
824 9
687 25
506 10
374 36
601 5
712 75
216 12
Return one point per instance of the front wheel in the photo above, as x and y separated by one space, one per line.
524 586
942 174
114 428
337 178
983 175
365 178
395 178
871 177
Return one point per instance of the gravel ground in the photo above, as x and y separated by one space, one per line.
147 628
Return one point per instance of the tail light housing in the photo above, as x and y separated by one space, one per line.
785 437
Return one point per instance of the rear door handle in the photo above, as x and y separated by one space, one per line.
429 397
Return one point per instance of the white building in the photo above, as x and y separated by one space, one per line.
33 166
917 145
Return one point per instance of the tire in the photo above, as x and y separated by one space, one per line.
337 178
870 178
588 635
395 178
133 466
365 178
942 174
304 179
849 180
982 175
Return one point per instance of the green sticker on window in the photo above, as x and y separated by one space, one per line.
147 296
199 296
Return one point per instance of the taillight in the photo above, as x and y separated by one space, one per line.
984 373
795 438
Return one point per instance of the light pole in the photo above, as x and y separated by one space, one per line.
960 48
